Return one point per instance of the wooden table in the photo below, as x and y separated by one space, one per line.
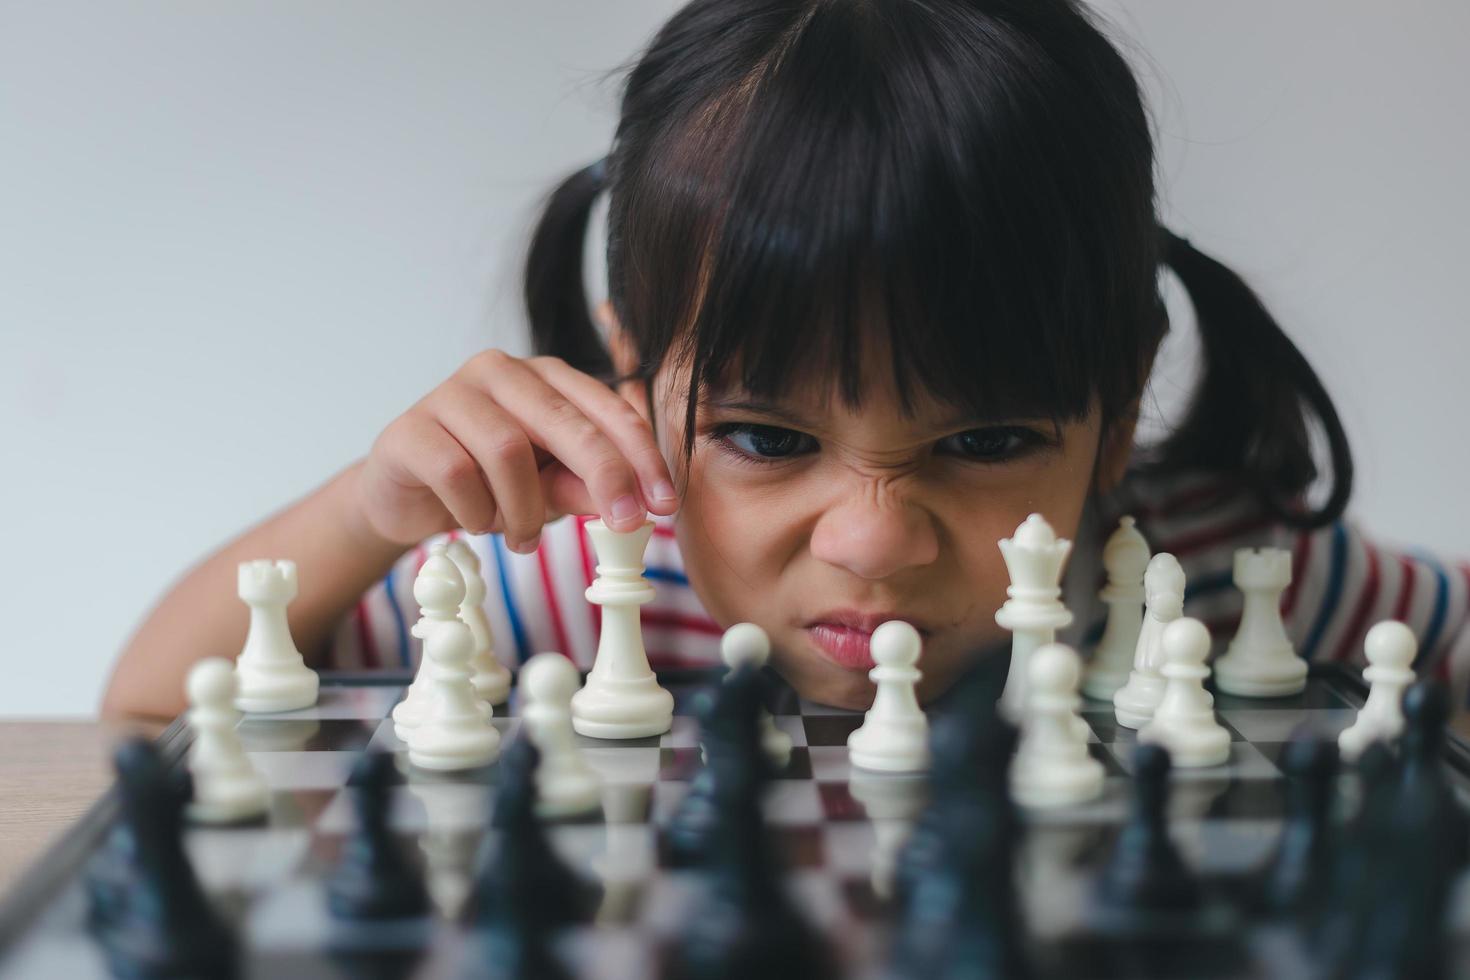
50 773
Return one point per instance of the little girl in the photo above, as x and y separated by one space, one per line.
884 280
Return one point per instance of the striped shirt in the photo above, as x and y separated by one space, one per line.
1342 583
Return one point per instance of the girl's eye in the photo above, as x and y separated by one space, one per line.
762 442
993 445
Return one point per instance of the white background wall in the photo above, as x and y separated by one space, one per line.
236 240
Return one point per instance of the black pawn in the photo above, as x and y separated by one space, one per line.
373 879
524 893
744 923
1299 872
970 751
165 926
691 827
1145 873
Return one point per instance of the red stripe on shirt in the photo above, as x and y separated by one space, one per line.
589 568
420 555
365 634
1366 602
682 621
552 605
659 531
1209 537
1406 591
1180 501
1301 554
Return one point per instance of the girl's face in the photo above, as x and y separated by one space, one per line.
818 522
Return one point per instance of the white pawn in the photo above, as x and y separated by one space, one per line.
1136 700
491 678
227 787
1260 661
1125 557
439 566
565 784
894 736
270 673
1390 647
1184 722
747 644
454 731
1052 766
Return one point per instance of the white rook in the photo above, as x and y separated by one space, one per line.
1034 612
270 671
622 697
1260 661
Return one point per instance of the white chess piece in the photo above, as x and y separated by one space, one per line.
894 736
747 644
1125 557
491 678
565 784
410 711
270 673
1136 700
1052 766
454 731
1390 647
1034 612
1260 661
892 803
622 697
1184 722
227 787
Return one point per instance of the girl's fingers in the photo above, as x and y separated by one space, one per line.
623 425
441 463
504 455
555 423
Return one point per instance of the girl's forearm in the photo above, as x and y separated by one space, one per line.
337 554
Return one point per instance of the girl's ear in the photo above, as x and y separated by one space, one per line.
624 357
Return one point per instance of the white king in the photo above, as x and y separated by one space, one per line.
1034 612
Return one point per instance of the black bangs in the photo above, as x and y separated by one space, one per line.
905 178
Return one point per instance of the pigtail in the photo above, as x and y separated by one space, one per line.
556 299
1249 412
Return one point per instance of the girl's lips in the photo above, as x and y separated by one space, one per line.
843 645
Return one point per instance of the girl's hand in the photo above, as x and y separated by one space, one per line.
508 444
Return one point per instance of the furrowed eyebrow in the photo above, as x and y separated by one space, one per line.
785 416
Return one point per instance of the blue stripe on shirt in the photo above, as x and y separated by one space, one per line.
1336 572
666 575
1441 606
398 619
497 549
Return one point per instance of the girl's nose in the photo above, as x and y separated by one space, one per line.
875 538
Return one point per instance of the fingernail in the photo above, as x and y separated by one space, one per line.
626 509
663 491
528 547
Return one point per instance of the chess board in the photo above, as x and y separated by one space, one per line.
838 830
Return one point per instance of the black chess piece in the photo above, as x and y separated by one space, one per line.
960 913
689 830
1296 877
744 923
164 926
373 879
1388 917
970 750
1145 874
524 893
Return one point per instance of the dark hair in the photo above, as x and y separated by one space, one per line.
972 182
